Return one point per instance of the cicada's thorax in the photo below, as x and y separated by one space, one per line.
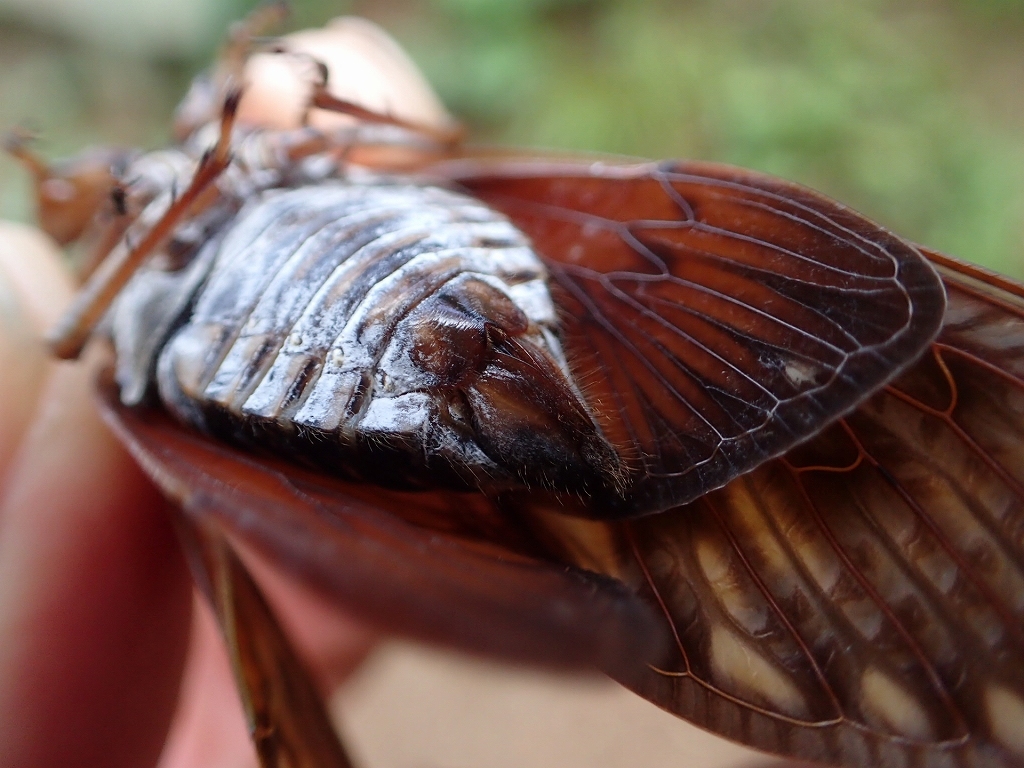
388 331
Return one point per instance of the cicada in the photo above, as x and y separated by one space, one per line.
708 431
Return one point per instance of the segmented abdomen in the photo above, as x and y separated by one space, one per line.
310 287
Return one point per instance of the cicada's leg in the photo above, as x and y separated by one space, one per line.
112 233
321 98
409 147
102 287
287 720
202 103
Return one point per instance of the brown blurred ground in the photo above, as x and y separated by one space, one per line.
411 707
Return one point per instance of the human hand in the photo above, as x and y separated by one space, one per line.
95 600
94 597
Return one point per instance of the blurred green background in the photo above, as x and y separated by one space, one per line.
911 111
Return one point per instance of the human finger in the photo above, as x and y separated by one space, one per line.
94 598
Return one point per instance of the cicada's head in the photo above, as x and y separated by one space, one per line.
70 194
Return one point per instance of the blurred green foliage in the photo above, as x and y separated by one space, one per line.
911 111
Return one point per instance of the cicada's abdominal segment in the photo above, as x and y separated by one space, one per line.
397 333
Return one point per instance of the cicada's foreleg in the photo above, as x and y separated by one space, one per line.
373 139
72 332
112 232
445 137
289 725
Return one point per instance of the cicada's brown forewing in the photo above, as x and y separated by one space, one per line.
715 317
860 600
288 723
447 568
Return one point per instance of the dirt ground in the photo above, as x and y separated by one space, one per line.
411 707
